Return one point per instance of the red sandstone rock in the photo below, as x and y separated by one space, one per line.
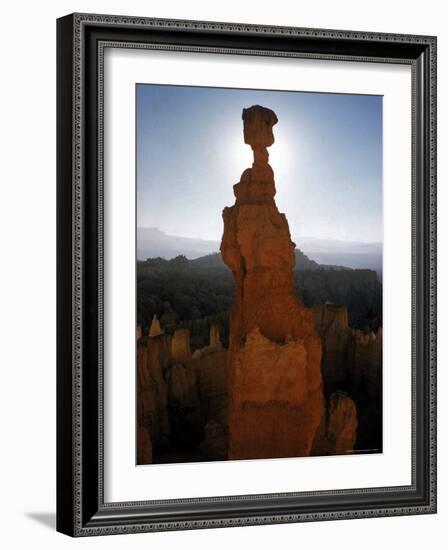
180 346
275 394
338 430
144 447
212 383
215 440
275 399
182 387
196 384
337 342
258 123
155 329
153 355
347 352
342 423
215 339
367 361
214 343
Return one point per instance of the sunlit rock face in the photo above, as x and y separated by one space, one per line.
275 384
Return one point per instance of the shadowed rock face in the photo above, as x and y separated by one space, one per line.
342 423
144 447
181 398
152 396
180 345
258 123
338 430
352 362
275 394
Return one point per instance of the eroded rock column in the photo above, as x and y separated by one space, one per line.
275 384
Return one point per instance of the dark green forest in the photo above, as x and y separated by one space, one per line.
196 293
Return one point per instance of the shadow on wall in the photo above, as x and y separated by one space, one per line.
47 519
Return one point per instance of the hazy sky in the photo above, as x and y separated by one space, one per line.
327 160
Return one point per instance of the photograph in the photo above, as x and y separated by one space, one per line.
259 268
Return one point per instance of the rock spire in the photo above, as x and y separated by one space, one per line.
275 393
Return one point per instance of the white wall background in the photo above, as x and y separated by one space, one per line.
27 248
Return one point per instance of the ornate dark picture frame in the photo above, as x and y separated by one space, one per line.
81 509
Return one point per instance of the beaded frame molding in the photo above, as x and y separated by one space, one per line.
81 509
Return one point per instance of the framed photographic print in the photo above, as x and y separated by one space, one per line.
246 274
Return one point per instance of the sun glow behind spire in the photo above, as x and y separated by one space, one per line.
326 158
241 155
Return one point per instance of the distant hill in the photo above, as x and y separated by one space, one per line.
214 262
354 254
154 243
211 261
